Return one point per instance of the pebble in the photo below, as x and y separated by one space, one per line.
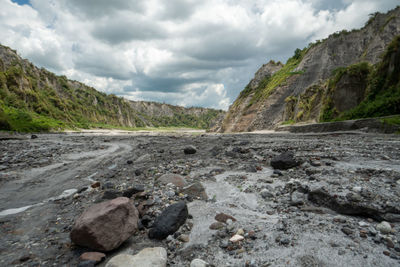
240 232
216 226
183 238
363 224
236 238
198 263
384 227
92 256
95 185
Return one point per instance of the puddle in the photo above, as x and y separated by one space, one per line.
64 194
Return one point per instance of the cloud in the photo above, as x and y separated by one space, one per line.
186 52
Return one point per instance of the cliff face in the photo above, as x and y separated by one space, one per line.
33 99
303 79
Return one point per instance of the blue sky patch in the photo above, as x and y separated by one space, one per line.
21 2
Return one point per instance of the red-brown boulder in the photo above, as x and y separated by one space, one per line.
105 226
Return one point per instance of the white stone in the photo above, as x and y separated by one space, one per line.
236 238
148 257
357 189
363 224
384 227
198 263
240 232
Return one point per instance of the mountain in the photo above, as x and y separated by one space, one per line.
33 99
346 76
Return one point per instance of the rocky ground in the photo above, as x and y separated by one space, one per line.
336 205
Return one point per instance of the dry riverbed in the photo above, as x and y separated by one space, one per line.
327 211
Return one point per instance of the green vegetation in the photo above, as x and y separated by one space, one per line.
359 71
289 122
395 120
268 85
383 88
33 100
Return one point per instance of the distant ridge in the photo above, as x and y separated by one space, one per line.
33 99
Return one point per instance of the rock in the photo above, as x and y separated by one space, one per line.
169 221
183 238
172 178
240 232
138 172
34 136
196 190
87 264
105 226
347 231
384 227
96 185
148 257
92 256
189 150
236 238
129 162
111 194
222 217
198 263
284 161
266 194
133 190
217 226
297 198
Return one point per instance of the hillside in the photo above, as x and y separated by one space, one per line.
348 75
33 99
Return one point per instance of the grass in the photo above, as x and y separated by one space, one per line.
288 122
383 88
268 85
395 120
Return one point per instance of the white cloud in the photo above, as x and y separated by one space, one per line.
186 52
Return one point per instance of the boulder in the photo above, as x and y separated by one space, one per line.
105 226
148 257
172 178
284 161
169 221
196 190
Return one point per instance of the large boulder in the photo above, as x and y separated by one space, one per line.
148 257
169 221
284 161
105 226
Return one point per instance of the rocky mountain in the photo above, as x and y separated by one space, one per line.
348 75
34 99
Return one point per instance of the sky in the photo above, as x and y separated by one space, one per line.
181 52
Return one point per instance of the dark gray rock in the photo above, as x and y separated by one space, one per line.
169 221
87 264
111 194
189 150
284 161
133 190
